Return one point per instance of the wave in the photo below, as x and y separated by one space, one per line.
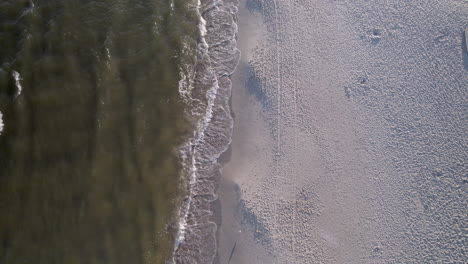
206 88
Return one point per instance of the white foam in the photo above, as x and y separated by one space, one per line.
186 84
1 123
18 79
172 6
202 25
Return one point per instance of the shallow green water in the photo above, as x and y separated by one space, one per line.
88 167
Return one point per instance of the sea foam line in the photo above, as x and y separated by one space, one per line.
198 134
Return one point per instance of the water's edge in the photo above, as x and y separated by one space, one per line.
207 90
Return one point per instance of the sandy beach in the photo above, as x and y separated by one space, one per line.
349 140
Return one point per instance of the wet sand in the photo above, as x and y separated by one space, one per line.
349 134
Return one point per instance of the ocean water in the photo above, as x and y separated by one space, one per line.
95 113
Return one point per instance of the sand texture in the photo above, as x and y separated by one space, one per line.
349 141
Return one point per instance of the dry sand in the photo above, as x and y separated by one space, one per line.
349 141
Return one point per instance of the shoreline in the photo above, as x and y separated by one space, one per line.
209 94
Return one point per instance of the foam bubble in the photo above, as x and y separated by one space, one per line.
17 78
1 123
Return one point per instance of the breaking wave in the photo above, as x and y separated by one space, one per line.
206 88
